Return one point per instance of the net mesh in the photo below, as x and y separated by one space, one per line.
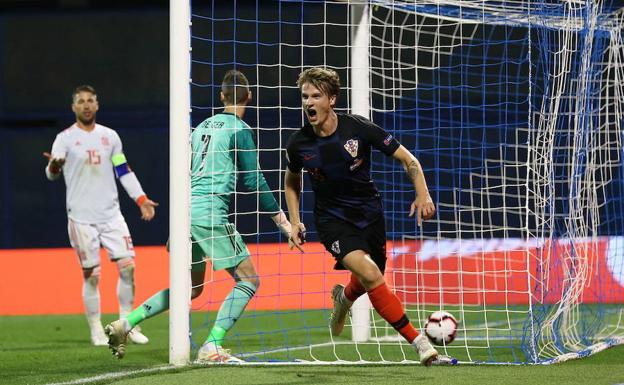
514 109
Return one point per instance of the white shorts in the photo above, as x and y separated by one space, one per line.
113 235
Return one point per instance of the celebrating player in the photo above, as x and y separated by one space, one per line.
222 148
87 153
335 149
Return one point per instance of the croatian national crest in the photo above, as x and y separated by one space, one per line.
336 247
352 147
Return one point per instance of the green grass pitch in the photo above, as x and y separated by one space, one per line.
55 349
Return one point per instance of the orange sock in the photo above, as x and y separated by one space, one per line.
354 289
389 307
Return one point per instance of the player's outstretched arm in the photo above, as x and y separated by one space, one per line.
254 180
292 187
251 174
423 204
54 167
131 184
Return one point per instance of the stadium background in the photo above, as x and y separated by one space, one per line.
123 53
46 49
122 50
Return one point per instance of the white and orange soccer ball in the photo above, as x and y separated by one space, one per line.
441 328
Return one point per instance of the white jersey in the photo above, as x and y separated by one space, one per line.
88 172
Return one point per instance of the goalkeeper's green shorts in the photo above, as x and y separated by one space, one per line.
221 243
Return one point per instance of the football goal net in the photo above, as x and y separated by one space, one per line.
515 111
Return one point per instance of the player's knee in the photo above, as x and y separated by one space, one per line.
125 266
92 275
255 281
370 276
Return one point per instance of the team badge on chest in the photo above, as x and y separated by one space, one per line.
336 247
352 147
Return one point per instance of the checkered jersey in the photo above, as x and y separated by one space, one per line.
338 167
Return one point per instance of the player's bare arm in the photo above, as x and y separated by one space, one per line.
292 192
423 204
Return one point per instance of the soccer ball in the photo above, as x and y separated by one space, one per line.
441 328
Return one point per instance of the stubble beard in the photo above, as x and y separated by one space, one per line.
85 121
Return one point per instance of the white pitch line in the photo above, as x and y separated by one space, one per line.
116 375
295 348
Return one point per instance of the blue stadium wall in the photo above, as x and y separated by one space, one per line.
123 52
45 51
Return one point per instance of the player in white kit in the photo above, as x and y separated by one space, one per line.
90 156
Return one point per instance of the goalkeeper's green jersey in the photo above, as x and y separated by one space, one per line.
223 149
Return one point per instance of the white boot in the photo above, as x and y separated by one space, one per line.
211 353
98 337
425 350
137 337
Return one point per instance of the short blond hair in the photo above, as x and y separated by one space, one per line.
325 79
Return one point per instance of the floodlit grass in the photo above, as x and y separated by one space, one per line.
52 349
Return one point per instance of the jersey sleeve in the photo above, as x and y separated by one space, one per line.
117 147
253 179
59 151
294 161
118 159
126 176
378 137
59 147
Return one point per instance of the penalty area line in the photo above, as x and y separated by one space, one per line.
116 375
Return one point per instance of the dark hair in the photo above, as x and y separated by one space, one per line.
83 88
235 88
326 80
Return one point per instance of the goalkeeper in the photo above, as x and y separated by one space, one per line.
222 147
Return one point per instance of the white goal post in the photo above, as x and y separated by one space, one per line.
179 182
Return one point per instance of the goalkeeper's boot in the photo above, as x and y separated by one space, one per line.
137 337
98 337
117 338
425 350
211 353
340 310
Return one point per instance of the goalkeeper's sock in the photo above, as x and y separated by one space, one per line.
354 289
389 308
154 305
231 309
216 336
